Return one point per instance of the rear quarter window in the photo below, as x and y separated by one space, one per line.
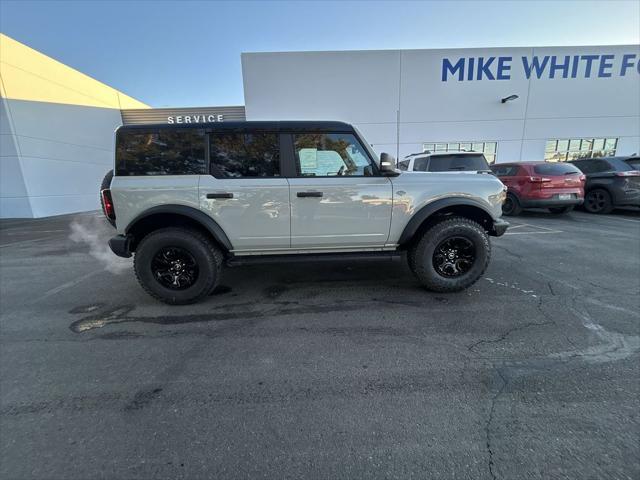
634 163
160 152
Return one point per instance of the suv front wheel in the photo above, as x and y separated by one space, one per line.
450 256
177 266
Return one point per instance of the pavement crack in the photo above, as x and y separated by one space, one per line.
551 288
489 446
506 334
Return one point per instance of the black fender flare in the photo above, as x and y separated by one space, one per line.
425 212
190 212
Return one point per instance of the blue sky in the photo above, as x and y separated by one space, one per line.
187 53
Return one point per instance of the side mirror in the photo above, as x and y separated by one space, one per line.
388 165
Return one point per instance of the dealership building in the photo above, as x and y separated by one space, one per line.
513 104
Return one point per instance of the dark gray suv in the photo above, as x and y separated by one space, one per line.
611 182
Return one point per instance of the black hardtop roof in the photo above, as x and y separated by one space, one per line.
291 125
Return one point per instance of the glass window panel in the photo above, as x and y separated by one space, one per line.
586 145
162 151
440 147
574 144
551 146
610 143
428 146
563 145
598 144
453 147
478 147
465 146
242 155
330 154
490 158
490 147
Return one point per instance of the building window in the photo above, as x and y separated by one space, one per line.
561 150
490 149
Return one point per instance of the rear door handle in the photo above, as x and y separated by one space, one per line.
309 194
219 195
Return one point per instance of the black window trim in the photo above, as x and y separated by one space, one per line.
293 161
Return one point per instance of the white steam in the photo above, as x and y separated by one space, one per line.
93 232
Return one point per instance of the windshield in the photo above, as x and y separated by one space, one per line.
458 163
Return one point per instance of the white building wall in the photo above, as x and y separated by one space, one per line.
391 95
56 134
65 150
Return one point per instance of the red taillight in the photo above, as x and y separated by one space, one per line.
583 178
107 203
539 179
630 173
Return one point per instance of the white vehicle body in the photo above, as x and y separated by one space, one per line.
420 162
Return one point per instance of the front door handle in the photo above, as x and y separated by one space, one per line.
219 195
309 194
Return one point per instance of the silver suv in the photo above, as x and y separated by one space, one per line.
188 199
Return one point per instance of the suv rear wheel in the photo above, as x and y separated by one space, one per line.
177 266
451 256
598 200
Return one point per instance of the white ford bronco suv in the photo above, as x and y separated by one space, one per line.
188 199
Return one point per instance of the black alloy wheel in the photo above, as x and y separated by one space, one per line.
174 268
598 201
451 255
454 257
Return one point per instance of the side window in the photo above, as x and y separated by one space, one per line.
585 166
420 164
330 154
601 166
504 171
244 155
160 152
404 165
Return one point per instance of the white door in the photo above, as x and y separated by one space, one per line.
245 193
336 199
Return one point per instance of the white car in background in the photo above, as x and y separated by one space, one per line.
466 162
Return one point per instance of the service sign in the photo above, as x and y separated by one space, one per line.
547 66
196 118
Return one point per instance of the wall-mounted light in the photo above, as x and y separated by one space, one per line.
509 98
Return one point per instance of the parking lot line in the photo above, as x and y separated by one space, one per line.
533 233
22 242
70 284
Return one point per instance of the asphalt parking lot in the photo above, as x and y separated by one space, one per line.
325 370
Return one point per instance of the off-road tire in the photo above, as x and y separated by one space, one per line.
598 200
207 256
511 206
420 255
560 210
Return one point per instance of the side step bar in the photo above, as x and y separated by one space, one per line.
236 261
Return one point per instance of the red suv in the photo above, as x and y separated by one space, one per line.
556 186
